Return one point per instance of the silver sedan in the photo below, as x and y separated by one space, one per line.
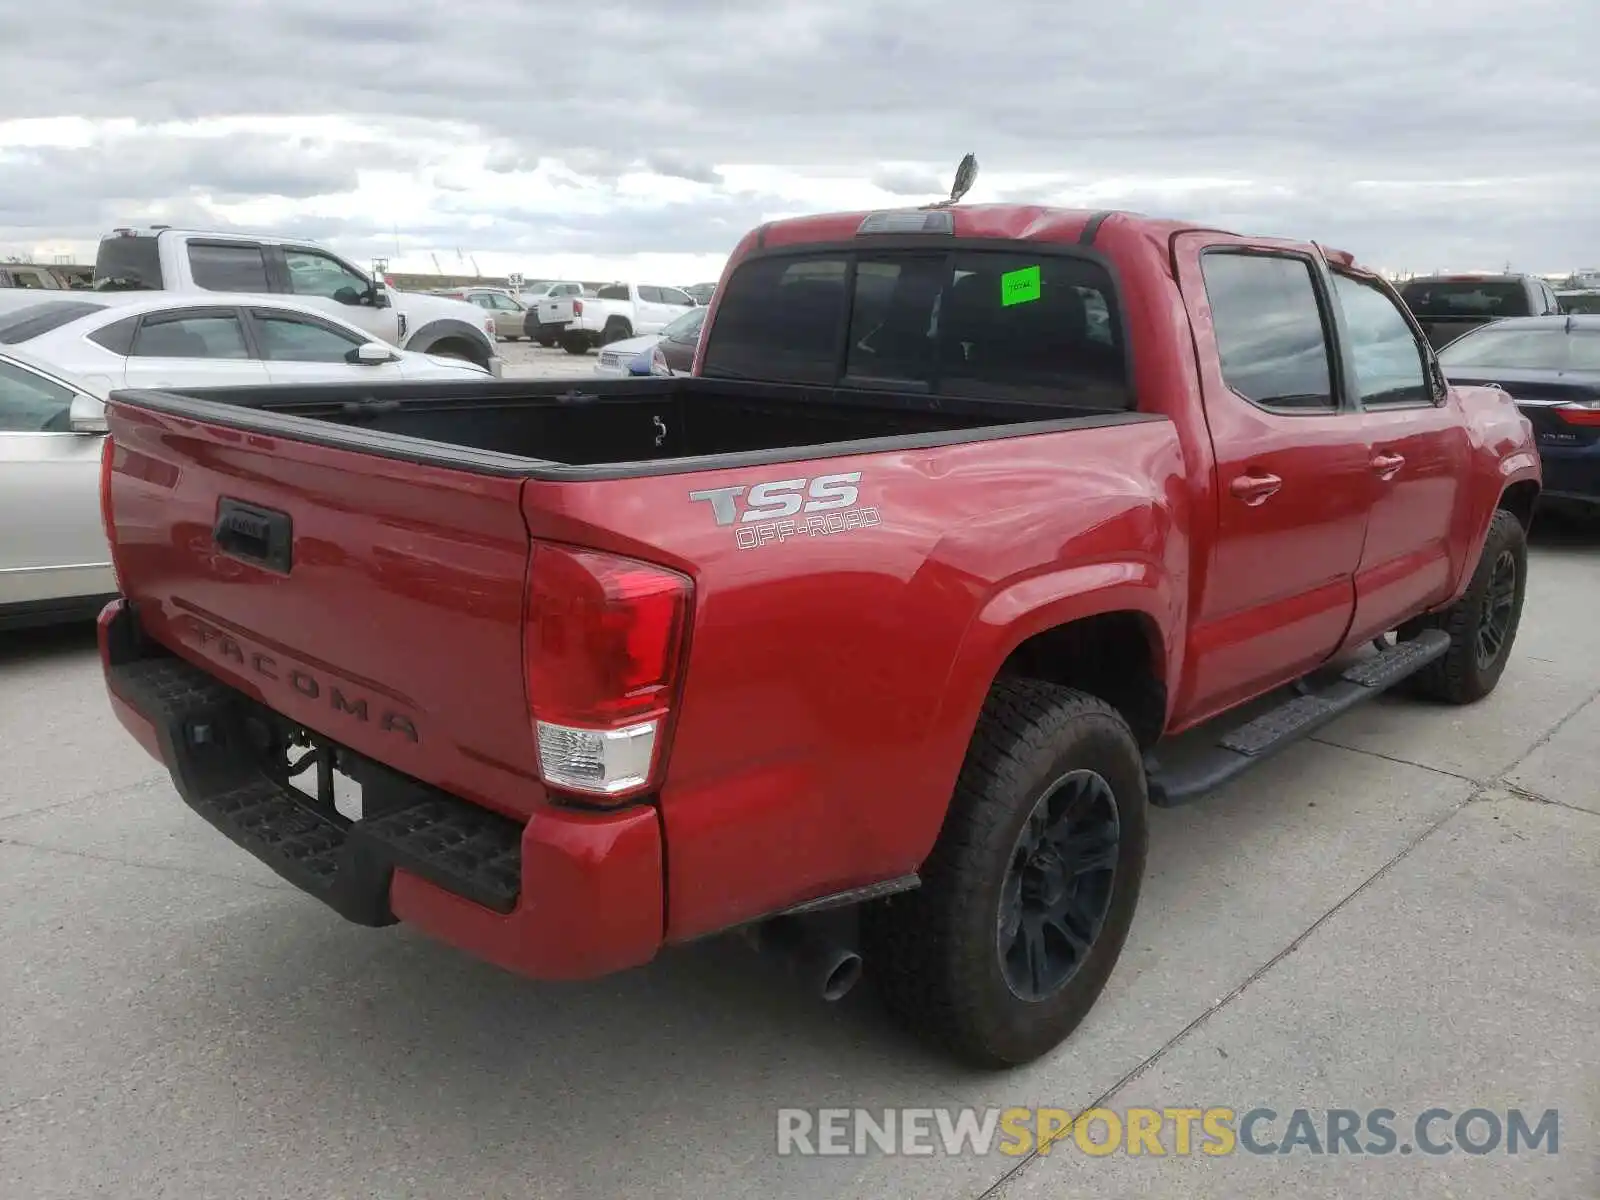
54 564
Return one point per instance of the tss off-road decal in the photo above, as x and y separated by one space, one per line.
780 509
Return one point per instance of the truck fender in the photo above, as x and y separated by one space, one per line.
1017 612
437 331
1504 458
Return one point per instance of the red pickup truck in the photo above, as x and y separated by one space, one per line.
895 604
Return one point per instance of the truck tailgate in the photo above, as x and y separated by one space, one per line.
379 608
556 312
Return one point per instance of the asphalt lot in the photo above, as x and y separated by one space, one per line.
524 360
1401 914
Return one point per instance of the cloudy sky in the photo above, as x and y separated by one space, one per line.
607 138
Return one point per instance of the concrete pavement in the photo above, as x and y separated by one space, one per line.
1401 914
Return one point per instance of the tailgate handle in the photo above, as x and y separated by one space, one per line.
263 536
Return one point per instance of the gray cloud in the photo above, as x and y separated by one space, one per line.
1302 102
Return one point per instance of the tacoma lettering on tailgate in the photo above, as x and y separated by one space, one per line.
341 698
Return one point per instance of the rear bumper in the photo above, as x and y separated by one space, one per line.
569 895
1571 473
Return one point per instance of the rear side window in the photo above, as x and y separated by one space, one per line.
24 324
617 291
1269 330
118 336
212 336
236 267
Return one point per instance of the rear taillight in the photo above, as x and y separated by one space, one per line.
602 653
108 452
1585 415
577 308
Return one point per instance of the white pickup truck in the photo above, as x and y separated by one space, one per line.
614 312
176 260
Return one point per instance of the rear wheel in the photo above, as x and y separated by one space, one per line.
1030 889
1482 624
575 343
615 331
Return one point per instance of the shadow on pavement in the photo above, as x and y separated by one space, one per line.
51 641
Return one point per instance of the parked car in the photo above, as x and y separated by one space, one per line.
548 335
872 610
650 355
673 353
1448 306
616 312
34 277
510 314
1581 300
175 260
1550 366
60 359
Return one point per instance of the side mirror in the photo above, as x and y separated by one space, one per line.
379 296
372 354
88 415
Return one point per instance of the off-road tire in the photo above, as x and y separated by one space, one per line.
934 951
1458 677
575 343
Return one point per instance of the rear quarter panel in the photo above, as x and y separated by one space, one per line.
834 678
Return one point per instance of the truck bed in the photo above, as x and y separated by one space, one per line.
609 429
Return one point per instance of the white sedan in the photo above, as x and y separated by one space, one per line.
61 358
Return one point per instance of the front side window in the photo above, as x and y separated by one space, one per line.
1269 330
217 336
30 403
313 274
1388 362
228 267
287 338
674 296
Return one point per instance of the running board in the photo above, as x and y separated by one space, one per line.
1297 717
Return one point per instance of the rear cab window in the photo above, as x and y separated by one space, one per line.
1467 298
128 263
1013 322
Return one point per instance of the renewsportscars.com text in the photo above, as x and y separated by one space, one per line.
1165 1131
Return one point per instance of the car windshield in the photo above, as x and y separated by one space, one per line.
686 326
1551 348
24 324
1462 298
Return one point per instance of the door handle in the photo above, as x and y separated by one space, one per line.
1387 465
1253 489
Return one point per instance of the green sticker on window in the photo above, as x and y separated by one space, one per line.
1019 286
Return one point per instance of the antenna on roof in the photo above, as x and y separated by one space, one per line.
966 176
